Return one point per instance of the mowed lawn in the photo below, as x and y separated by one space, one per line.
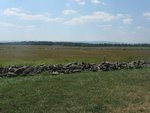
125 91
33 55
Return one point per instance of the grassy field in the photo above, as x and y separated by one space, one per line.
33 55
104 92
101 92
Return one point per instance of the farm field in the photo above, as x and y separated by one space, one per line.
33 55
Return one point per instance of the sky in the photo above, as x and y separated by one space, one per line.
126 21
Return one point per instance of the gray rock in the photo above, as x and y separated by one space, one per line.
9 74
28 70
77 71
55 73
20 70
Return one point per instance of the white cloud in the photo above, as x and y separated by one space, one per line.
121 15
147 15
140 27
27 27
6 24
16 26
96 1
69 12
25 16
95 17
80 2
127 21
12 12
105 27
83 2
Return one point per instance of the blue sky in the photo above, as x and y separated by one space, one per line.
75 20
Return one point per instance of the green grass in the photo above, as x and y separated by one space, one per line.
33 55
125 91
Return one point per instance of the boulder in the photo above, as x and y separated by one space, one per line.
20 70
123 65
76 71
4 70
9 74
55 73
28 70
131 65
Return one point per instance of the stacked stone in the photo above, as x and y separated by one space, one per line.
13 71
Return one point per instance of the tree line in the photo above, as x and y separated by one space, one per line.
75 44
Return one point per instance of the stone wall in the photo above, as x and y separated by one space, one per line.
13 71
